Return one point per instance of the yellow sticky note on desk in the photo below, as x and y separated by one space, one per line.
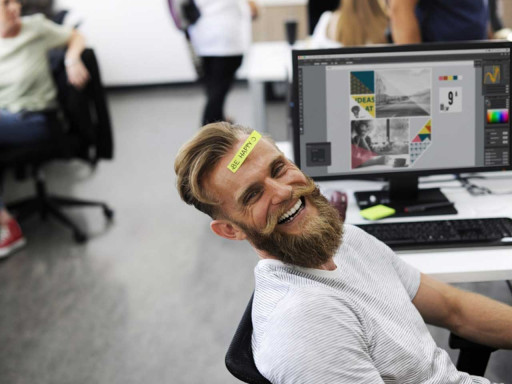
377 212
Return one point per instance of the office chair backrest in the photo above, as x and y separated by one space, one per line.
85 111
239 358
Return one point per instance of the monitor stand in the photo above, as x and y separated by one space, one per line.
404 192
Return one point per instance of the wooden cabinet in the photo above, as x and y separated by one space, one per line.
270 25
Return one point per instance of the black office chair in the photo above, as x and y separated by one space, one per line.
473 358
239 358
80 129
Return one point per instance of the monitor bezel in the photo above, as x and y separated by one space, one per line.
391 49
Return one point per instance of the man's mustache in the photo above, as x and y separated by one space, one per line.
297 193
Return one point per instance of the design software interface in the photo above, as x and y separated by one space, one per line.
386 112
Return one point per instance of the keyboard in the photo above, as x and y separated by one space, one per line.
443 233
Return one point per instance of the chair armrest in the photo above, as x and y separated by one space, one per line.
473 357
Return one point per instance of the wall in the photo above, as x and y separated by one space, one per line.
272 16
136 41
506 11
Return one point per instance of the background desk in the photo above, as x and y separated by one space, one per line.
270 61
266 62
452 265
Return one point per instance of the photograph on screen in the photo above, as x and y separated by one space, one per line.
362 92
403 92
382 143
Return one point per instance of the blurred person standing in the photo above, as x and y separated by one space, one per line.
416 21
221 36
27 90
353 23
317 8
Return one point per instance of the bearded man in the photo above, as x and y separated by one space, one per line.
332 304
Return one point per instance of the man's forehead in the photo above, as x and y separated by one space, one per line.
263 149
261 156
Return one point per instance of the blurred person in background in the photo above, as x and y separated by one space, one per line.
317 8
416 21
353 23
27 90
221 36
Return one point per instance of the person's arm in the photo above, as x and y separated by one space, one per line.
405 28
470 315
77 73
254 9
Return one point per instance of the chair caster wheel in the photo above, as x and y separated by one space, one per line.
79 237
109 214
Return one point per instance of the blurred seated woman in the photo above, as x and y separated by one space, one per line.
27 89
355 22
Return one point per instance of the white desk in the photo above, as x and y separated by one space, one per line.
452 265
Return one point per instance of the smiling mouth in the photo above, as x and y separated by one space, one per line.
292 212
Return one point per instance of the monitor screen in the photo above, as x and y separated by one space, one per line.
400 112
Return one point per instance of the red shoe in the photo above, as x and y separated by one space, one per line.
11 238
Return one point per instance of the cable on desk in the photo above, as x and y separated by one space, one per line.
473 189
476 190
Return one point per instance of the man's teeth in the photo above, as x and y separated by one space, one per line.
288 216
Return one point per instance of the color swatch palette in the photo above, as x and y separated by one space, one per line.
450 78
497 116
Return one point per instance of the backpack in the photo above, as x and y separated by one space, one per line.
184 13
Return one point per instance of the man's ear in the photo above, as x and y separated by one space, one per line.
226 229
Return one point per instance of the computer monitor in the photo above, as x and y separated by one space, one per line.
402 111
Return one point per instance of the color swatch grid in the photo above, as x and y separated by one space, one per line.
497 116
450 78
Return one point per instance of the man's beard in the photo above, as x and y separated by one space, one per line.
320 235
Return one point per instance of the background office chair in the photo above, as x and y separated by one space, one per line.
79 129
473 358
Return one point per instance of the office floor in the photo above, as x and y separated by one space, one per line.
154 297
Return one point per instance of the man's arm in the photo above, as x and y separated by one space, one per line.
466 314
405 28
78 75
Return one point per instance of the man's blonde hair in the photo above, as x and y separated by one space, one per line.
198 157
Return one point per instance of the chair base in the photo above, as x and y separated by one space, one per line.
49 205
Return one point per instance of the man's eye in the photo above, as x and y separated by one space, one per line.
251 196
278 169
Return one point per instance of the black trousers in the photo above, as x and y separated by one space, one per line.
219 72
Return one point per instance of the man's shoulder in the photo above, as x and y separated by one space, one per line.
310 325
355 237
302 304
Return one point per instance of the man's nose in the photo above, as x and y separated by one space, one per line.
280 191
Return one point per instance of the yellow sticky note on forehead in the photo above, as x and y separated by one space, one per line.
244 151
